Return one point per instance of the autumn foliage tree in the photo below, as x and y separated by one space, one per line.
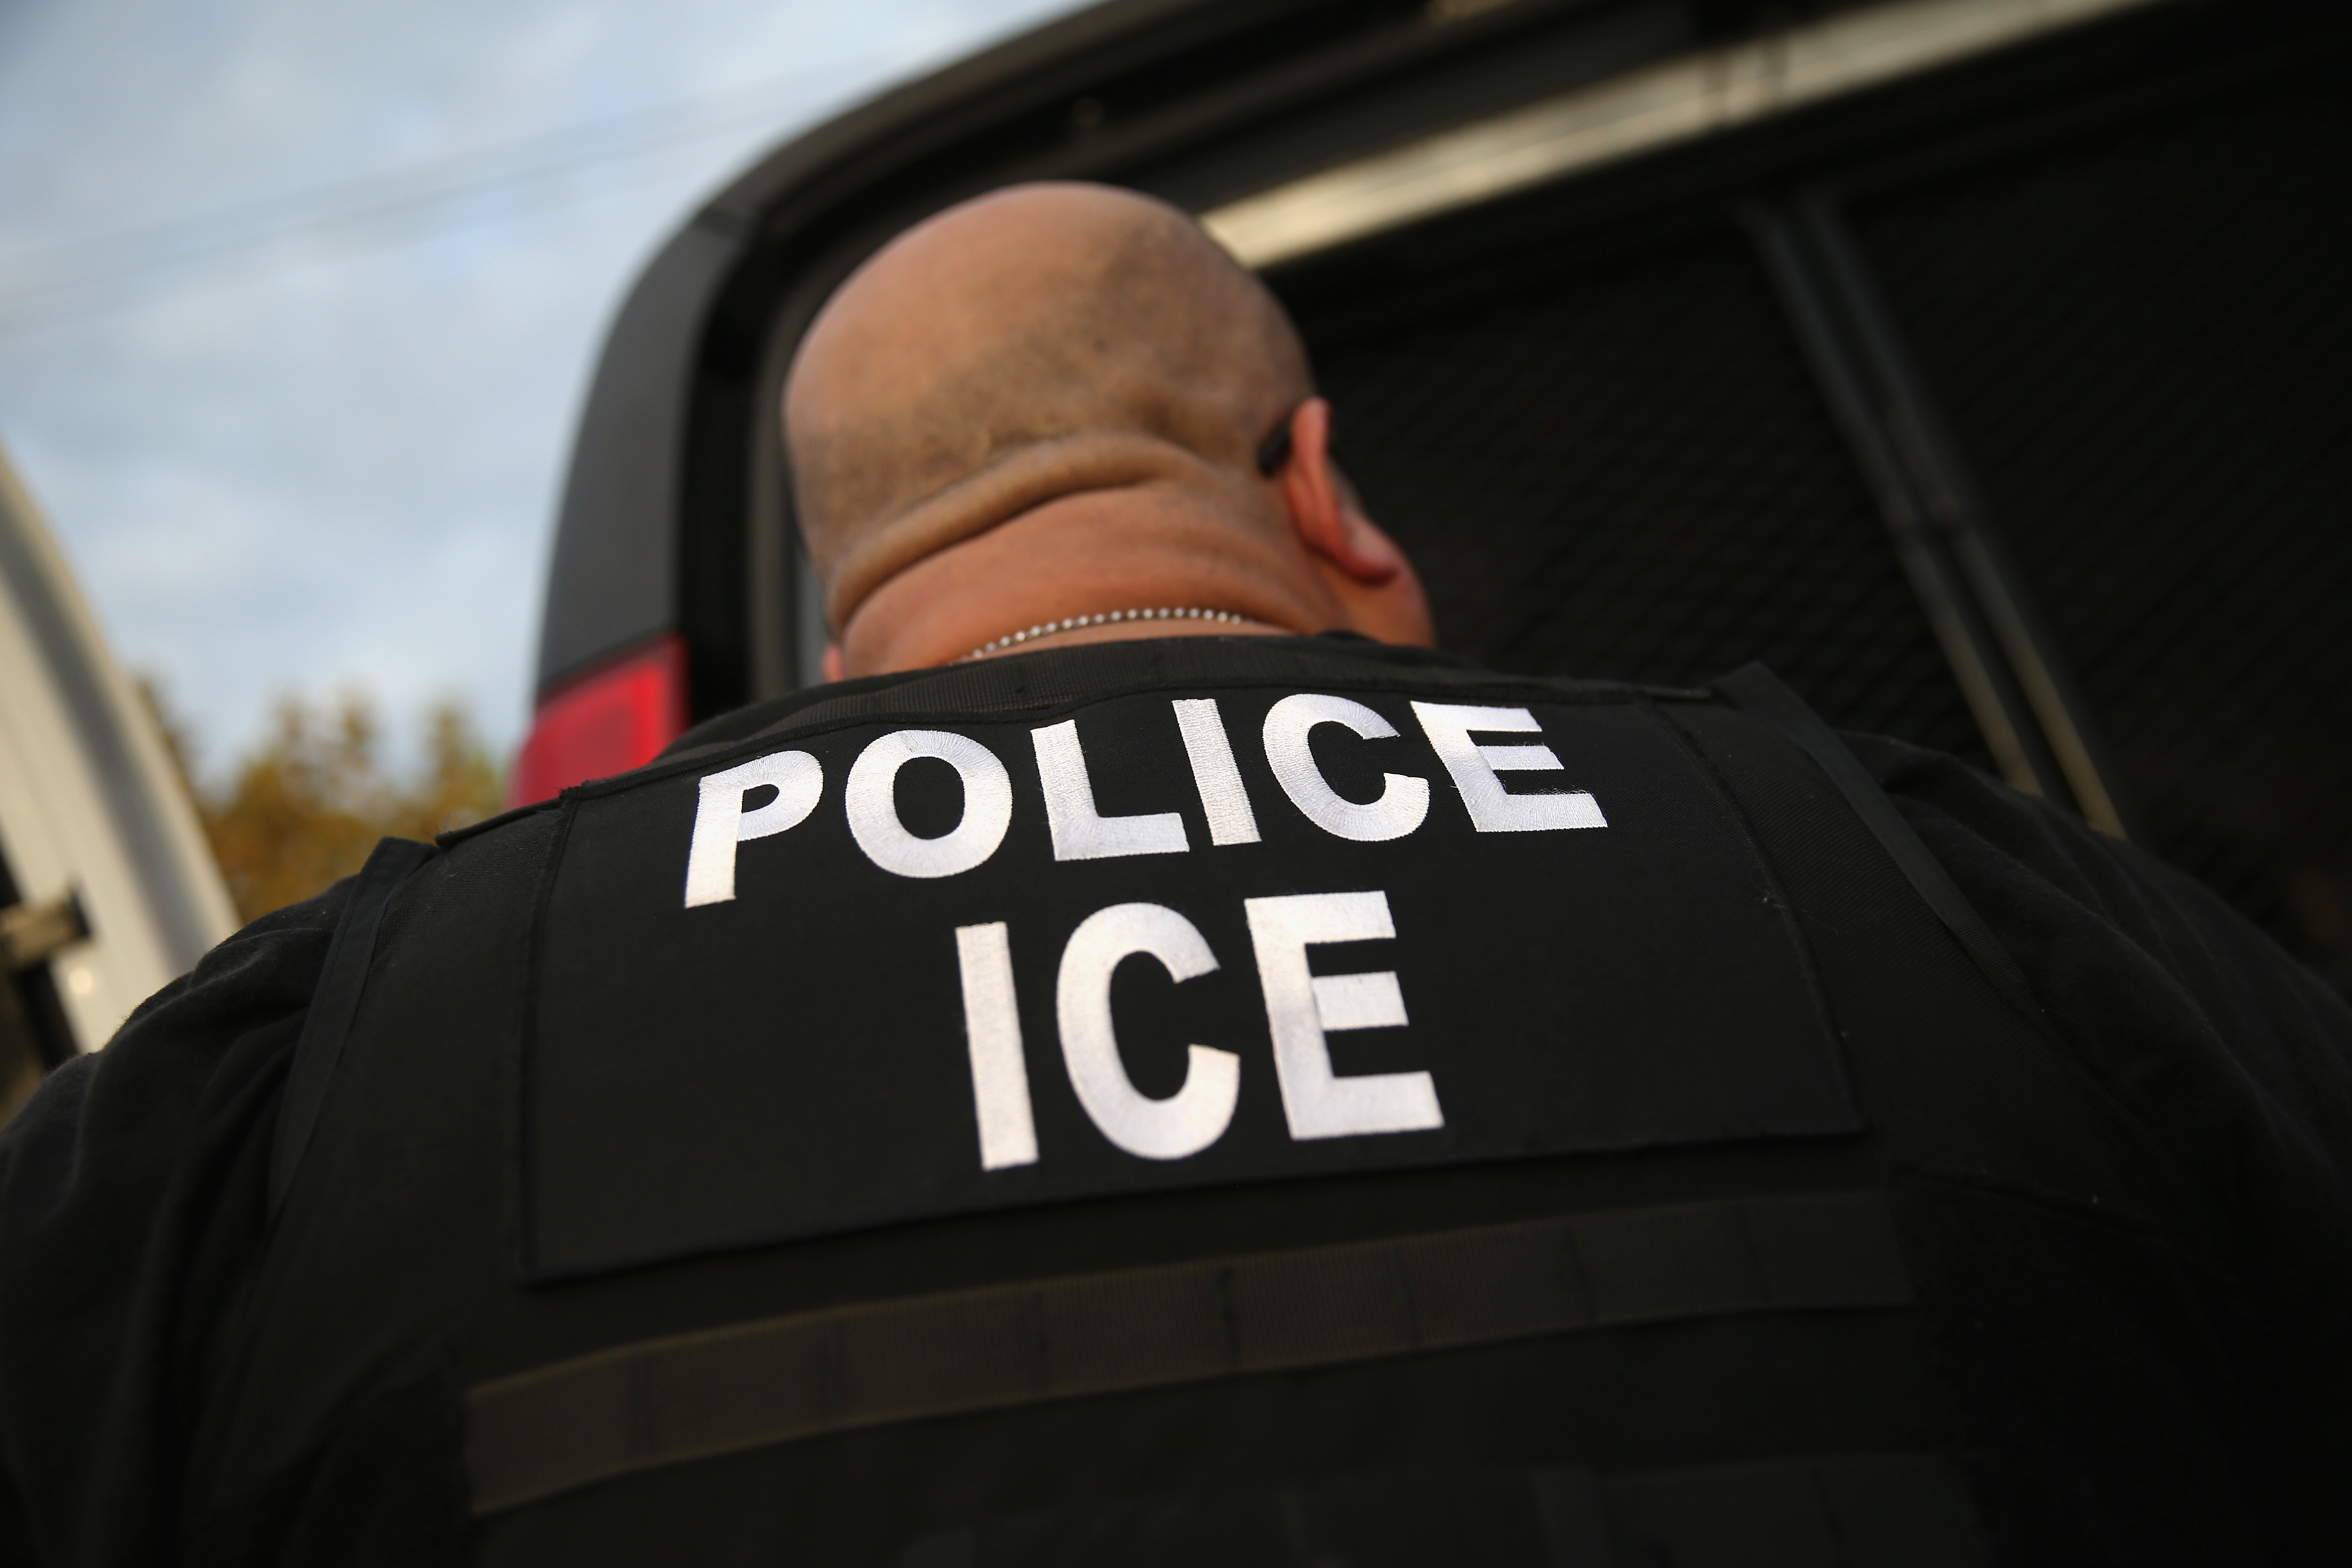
304 808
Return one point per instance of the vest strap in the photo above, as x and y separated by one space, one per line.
747 1385
334 1005
1756 690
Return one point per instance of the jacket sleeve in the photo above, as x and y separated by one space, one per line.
132 1201
2236 1059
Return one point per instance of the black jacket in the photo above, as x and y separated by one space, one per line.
1715 1202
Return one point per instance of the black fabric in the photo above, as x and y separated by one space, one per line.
1614 987
2171 1163
1854 1511
1758 691
1055 676
2114 1476
865 1497
1842 1512
386 1491
132 1206
2238 1066
334 1005
665 1401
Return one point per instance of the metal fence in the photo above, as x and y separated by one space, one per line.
2135 328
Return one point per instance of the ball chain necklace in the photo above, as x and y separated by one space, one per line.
1073 623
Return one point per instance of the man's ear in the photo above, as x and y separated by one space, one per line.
832 661
1321 509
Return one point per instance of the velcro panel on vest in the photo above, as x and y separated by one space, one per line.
695 1395
872 972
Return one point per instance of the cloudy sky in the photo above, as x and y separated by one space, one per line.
297 300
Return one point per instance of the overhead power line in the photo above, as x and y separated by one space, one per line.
90 274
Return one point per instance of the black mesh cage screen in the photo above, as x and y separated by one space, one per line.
2143 344
1624 469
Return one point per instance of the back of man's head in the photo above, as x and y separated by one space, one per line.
1027 348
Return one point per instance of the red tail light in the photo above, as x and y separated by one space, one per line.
611 719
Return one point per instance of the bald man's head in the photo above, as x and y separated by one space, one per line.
1028 345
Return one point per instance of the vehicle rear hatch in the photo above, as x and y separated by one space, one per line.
1979 364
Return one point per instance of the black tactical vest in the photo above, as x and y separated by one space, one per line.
1193 1101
